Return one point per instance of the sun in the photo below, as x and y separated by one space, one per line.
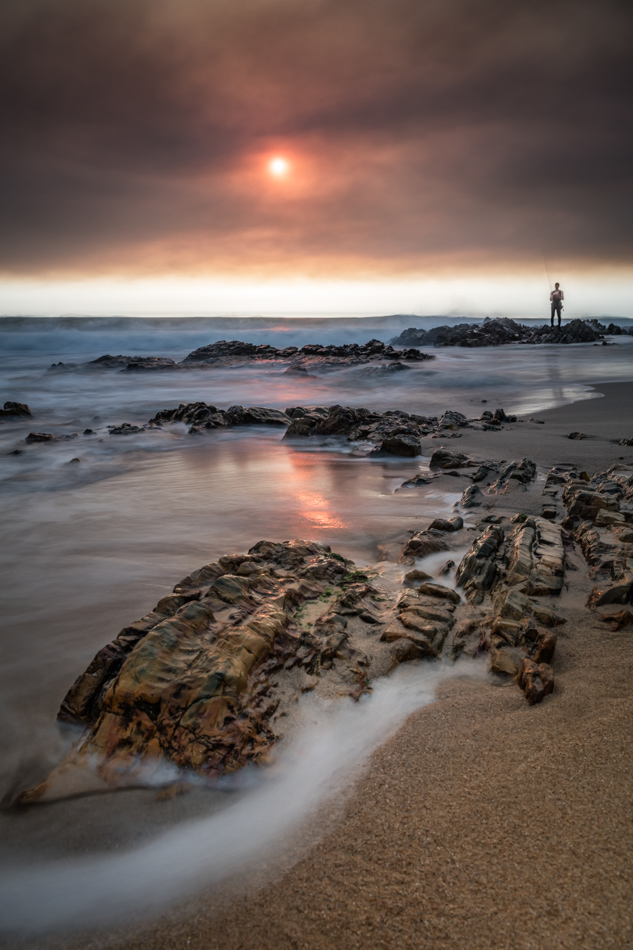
278 166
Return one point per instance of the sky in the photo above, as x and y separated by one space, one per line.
460 154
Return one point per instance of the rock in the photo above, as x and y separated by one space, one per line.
421 479
503 661
406 650
502 331
300 371
443 524
413 621
15 410
234 352
385 369
621 442
618 593
187 684
544 647
443 458
453 420
578 436
33 437
484 470
403 445
478 569
536 680
125 428
424 543
537 557
619 620
438 590
523 472
512 604
547 616
411 578
129 363
256 416
472 497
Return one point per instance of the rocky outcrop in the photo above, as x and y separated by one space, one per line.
523 472
313 354
189 684
15 410
200 416
236 352
394 432
600 516
501 573
502 331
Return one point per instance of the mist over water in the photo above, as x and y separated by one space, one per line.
89 546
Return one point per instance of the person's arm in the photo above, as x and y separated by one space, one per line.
562 295
551 296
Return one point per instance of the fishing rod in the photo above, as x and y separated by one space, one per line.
549 279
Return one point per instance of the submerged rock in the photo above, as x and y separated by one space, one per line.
34 437
15 410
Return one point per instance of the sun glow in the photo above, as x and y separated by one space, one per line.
278 166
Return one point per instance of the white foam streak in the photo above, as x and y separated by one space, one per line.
105 889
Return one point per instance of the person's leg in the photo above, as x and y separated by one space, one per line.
559 311
552 316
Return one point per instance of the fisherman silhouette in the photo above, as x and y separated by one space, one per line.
556 297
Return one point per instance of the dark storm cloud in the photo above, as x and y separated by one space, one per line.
463 131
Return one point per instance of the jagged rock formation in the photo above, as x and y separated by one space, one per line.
189 683
600 515
502 331
510 569
313 354
235 352
523 472
202 681
394 432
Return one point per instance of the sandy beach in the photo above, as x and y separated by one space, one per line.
484 822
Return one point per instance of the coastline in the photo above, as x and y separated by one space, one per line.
483 822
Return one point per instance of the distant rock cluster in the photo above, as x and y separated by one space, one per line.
503 330
236 352
394 432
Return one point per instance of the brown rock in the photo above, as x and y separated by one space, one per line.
438 590
426 542
536 680
547 616
544 646
503 661
415 577
406 650
619 620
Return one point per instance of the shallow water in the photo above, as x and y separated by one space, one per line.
89 546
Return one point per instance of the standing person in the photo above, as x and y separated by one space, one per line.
556 297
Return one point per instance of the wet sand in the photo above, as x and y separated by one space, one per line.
484 822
